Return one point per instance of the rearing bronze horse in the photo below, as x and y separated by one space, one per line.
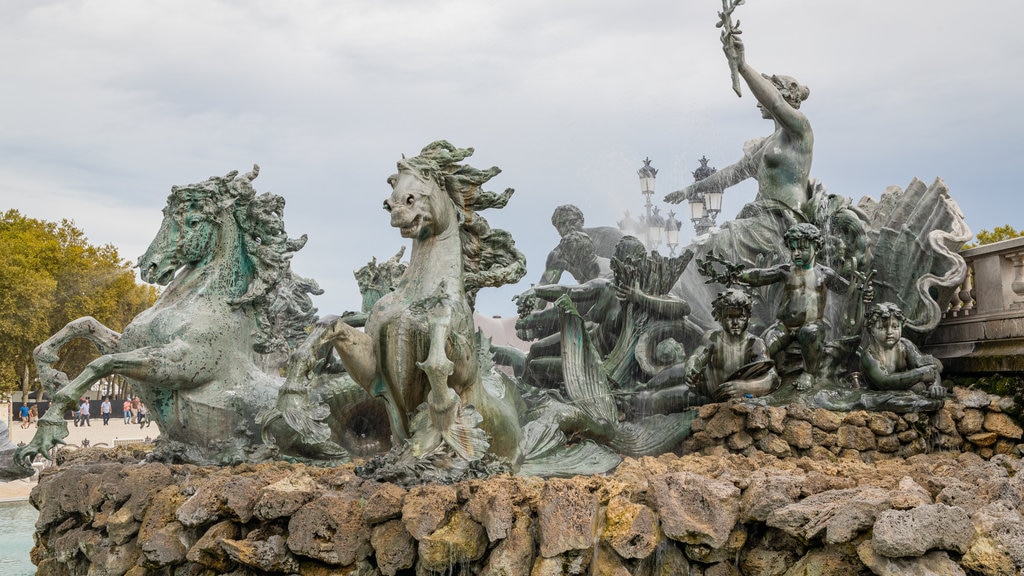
418 347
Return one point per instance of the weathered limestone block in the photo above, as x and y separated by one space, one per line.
983 438
495 505
855 437
739 441
944 422
988 557
630 529
776 419
207 505
1004 446
882 423
971 398
757 418
461 540
822 438
839 515
832 560
772 444
768 490
826 420
800 412
607 563
114 560
76 491
330 529
707 555
722 569
723 424
669 560
284 497
164 540
816 482
394 547
999 545
887 444
1001 424
426 508
909 494
384 503
908 436
165 546
695 509
122 525
820 453
856 418
960 494
208 551
269 554
798 434
575 563
900 533
706 411
935 563
972 421
513 556
566 516
65 546
770 555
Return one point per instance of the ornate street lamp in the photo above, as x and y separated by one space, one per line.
655 229
704 207
672 227
652 223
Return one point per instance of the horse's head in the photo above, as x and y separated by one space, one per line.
433 193
193 219
418 206
187 233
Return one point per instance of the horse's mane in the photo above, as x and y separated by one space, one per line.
489 255
277 298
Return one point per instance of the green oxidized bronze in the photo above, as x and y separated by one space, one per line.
224 257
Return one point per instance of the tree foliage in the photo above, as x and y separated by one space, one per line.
998 234
50 275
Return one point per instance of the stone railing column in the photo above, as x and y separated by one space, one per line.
1017 258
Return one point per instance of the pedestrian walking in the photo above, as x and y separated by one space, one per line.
105 410
83 412
143 415
127 407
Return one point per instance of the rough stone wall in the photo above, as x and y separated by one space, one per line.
971 421
839 505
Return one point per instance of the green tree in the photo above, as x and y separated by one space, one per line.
998 234
50 275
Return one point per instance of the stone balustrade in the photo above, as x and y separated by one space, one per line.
983 331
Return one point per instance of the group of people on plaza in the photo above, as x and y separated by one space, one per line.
134 412
29 415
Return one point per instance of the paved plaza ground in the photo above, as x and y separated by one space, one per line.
96 433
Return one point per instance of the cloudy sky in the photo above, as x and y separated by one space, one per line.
106 104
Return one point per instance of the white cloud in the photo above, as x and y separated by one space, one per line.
107 104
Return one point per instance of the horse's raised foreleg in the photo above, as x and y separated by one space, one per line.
353 345
151 364
297 421
47 353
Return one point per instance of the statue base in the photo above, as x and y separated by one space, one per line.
763 490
